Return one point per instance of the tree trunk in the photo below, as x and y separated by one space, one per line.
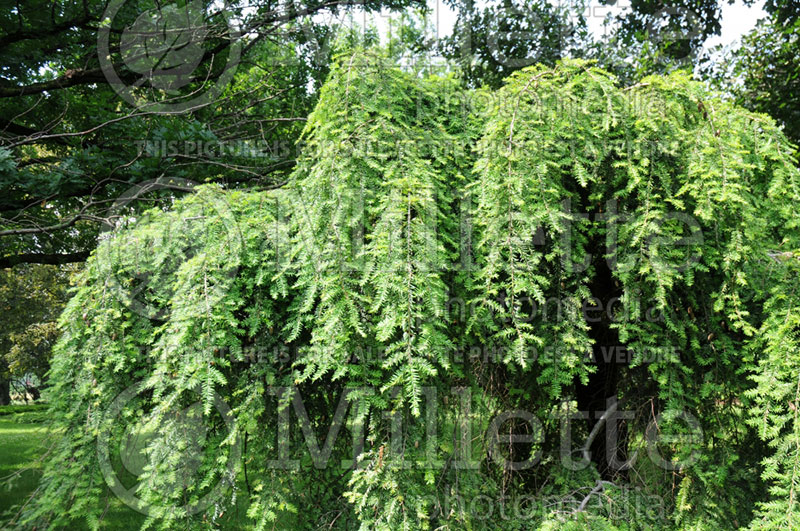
5 392
602 386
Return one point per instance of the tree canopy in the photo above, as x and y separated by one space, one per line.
447 267
98 97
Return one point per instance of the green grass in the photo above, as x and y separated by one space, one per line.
24 439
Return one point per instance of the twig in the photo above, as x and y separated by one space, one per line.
599 487
612 407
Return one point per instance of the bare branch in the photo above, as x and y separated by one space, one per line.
612 407
599 487
43 258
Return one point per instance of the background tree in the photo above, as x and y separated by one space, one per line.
767 67
31 299
671 31
73 138
490 41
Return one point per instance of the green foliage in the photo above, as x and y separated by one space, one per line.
657 37
84 122
375 224
775 398
412 197
493 39
31 298
766 63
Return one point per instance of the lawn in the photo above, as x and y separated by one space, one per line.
23 440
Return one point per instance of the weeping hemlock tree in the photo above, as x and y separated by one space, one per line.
453 277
